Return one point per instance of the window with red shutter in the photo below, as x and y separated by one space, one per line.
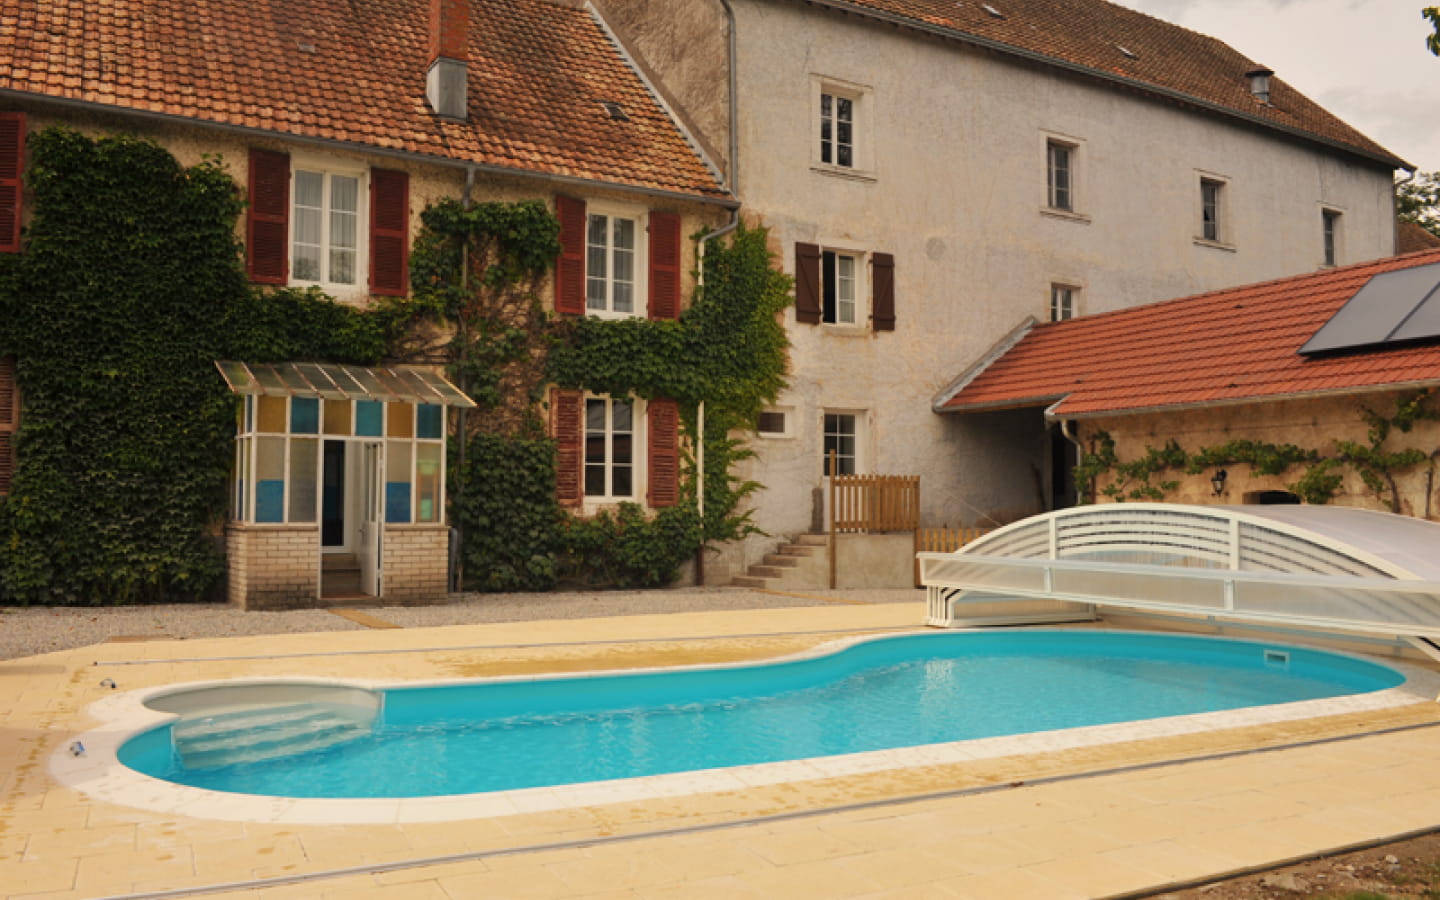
883 302
12 167
9 419
662 435
807 284
570 267
389 232
268 231
664 266
567 411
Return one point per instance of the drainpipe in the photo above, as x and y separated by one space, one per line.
1064 427
732 171
457 577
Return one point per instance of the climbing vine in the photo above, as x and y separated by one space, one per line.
130 286
477 272
1377 464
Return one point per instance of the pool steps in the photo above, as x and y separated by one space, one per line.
266 733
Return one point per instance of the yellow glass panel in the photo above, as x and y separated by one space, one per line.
337 417
427 482
271 415
400 420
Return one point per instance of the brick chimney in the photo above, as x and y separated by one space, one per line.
445 82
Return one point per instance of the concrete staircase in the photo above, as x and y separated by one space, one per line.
798 565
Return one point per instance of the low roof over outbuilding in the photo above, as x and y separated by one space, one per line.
1239 345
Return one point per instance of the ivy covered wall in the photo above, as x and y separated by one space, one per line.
129 287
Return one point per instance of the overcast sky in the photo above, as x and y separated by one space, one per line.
1364 60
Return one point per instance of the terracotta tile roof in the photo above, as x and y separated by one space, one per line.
1411 238
1235 345
1092 33
355 72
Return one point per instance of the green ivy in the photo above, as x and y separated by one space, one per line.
129 288
1376 463
502 498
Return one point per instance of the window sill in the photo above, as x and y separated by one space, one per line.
846 331
1064 215
1214 245
845 172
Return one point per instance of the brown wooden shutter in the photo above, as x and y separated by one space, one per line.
567 423
12 166
662 436
268 234
664 265
807 284
570 267
389 232
882 316
9 419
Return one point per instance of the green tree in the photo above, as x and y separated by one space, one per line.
1418 200
1432 40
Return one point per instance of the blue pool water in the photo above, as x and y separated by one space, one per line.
892 692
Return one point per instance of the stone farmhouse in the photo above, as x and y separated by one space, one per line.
933 174
342 122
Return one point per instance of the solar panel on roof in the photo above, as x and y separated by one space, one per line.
1391 308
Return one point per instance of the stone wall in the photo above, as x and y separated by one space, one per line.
273 566
417 561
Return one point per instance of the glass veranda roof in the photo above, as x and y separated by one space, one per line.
332 381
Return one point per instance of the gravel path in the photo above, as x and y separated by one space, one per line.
25 631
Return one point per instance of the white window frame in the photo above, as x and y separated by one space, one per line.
1332 236
329 168
1223 236
1070 292
858 421
860 284
639 452
640 297
1060 197
1075 152
861 97
787 430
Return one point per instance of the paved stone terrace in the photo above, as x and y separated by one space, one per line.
1016 827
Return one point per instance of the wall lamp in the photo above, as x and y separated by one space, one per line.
1217 481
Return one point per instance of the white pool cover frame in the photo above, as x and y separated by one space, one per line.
1331 568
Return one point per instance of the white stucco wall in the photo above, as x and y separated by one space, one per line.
951 143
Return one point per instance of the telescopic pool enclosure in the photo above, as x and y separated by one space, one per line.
1331 568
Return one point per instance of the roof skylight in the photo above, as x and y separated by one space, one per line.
994 13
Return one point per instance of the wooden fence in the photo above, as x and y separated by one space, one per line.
873 503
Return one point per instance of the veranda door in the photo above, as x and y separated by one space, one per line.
372 517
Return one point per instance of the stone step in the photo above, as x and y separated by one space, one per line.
800 550
784 560
749 581
766 572
812 540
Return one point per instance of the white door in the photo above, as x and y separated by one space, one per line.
372 517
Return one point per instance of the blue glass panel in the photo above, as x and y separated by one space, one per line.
430 422
397 501
369 418
304 415
270 500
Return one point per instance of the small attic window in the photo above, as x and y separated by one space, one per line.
1126 51
615 110
992 11
305 46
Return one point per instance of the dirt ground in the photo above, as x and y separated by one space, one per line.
1406 869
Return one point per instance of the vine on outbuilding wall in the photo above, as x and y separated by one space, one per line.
129 287
1377 464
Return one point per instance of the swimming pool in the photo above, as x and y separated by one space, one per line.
917 690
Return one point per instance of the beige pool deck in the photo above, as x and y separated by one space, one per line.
1116 819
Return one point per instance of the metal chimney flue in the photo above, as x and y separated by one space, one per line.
1260 83
446 81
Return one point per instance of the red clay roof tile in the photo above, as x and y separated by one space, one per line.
355 73
1238 344
1091 34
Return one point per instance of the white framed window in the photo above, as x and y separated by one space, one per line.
1330 236
613 263
840 276
841 439
611 439
1213 225
328 226
1063 302
840 131
1060 175
775 423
